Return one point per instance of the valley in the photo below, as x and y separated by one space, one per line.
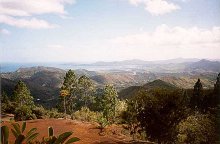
44 82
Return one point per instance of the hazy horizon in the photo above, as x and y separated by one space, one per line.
109 30
110 61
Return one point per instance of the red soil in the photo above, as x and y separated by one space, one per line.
87 132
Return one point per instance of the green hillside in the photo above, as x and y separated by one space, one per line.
131 91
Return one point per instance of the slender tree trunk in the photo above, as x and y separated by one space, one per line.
64 104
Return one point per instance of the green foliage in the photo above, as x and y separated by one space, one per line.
216 93
103 122
22 95
60 139
20 137
86 115
6 105
53 113
121 107
197 94
4 135
69 86
109 102
184 116
39 112
217 85
4 98
156 112
196 129
69 81
24 102
50 131
9 107
18 133
86 90
24 112
130 118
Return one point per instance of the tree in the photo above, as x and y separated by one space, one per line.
157 112
196 129
4 102
68 91
64 94
86 89
197 94
216 103
22 95
217 89
4 97
130 117
109 102
217 84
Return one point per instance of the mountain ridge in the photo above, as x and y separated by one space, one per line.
45 82
129 92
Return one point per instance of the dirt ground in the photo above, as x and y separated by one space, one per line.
87 132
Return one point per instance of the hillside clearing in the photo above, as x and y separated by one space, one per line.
87 132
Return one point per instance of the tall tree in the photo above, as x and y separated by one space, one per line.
157 112
86 89
110 98
216 95
4 97
217 85
64 93
22 95
68 90
197 94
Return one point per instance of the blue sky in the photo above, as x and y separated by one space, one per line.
108 30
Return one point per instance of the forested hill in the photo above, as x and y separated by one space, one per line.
131 91
45 82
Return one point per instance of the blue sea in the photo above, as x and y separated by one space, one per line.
11 67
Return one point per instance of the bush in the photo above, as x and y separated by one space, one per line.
86 115
8 107
197 129
40 112
53 113
156 112
103 122
120 108
24 113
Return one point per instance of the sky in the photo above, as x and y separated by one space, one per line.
108 30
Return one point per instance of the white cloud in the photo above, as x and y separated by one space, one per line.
12 12
156 7
164 35
31 7
5 32
26 23
167 42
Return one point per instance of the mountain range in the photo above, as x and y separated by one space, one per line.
44 82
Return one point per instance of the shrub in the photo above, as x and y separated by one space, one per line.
24 113
121 107
53 113
39 111
129 117
86 115
197 129
156 112
8 107
103 122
